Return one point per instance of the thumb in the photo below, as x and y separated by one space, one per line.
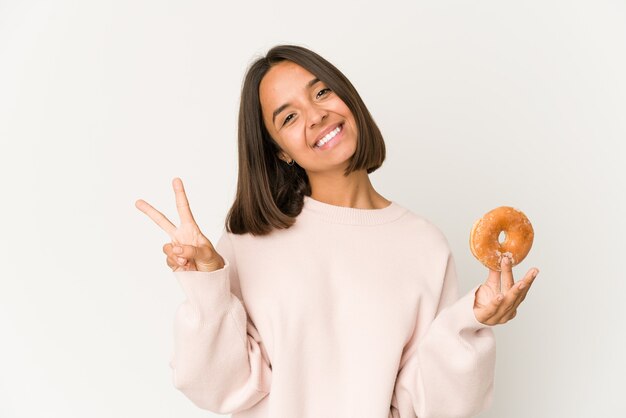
199 254
494 280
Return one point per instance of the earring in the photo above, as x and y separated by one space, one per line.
290 162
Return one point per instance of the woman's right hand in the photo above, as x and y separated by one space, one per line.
189 250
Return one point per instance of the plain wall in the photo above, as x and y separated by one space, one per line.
482 104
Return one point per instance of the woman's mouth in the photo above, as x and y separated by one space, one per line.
329 137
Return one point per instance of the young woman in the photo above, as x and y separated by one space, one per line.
322 298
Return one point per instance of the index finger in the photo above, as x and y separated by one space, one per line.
507 273
156 216
182 204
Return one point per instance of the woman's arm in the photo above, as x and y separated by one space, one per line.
219 362
448 370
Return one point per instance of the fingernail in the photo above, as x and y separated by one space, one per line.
181 260
178 250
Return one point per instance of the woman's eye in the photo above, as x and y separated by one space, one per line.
322 91
288 118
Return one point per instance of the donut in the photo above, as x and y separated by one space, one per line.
518 237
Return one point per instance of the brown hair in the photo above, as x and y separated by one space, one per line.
270 193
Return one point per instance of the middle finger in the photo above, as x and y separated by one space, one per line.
182 203
524 286
515 295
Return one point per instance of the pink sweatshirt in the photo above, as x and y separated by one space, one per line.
350 313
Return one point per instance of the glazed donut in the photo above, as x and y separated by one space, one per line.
484 237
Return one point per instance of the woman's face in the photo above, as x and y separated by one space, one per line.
299 111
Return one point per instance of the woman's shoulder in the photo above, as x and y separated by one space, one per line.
422 227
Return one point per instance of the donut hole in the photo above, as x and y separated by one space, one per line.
502 237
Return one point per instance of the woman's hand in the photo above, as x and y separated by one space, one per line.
495 305
189 250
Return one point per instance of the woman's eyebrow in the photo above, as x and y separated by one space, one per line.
284 106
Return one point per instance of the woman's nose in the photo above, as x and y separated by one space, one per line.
316 115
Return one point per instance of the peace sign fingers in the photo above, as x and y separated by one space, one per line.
182 204
156 216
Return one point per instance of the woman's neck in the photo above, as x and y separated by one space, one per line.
353 191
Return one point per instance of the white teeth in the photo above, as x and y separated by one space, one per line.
328 136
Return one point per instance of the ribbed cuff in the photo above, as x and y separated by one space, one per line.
461 313
470 297
207 292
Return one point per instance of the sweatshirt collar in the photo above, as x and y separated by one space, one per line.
352 216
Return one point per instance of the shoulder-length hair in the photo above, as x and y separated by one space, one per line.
270 193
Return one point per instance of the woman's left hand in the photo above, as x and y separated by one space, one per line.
495 304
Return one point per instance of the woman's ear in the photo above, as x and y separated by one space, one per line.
284 157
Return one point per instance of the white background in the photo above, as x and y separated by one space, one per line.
482 104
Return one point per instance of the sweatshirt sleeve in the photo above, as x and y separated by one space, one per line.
218 361
447 371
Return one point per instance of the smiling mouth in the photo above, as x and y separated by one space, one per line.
329 136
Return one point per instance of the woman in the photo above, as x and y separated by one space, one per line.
322 298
